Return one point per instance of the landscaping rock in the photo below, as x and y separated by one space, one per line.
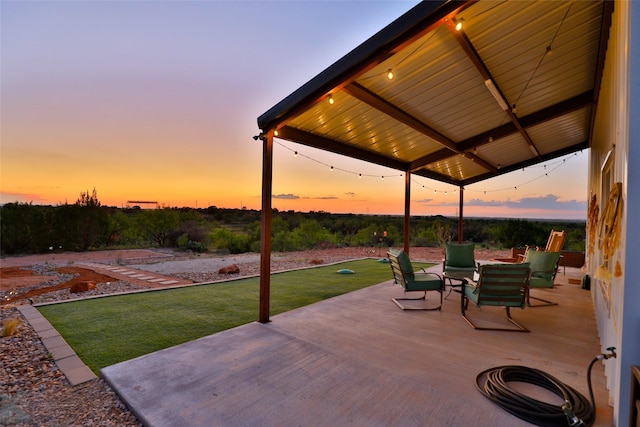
82 287
230 269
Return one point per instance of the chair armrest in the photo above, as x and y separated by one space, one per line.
424 272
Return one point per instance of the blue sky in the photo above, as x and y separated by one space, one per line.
158 101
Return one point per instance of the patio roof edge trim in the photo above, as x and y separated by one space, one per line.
424 13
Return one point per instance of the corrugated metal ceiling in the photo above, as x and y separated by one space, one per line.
437 117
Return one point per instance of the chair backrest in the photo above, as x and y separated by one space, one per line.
543 265
459 255
503 284
401 267
556 241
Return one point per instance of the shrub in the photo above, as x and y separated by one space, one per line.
10 327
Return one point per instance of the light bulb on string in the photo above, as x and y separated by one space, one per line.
295 154
331 100
390 74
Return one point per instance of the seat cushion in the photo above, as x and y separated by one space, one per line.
425 282
459 255
471 292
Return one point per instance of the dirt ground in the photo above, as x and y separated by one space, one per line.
30 271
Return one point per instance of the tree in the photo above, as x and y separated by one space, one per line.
158 224
92 221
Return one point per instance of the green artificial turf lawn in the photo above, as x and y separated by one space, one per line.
105 331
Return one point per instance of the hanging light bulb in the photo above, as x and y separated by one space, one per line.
275 133
295 154
331 168
331 100
383 177
459 24
360 176
390 74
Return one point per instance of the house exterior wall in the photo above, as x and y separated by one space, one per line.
615 158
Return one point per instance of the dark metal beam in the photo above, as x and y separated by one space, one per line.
534 161
477 61
327 144
365 95
577 102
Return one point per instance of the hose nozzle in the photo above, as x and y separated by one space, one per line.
612 353
572 420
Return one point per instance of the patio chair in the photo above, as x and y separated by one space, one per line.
556 241
498 285
411 281
459 258
544 267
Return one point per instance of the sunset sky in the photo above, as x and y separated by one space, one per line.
158 101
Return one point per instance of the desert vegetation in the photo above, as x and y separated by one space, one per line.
88 225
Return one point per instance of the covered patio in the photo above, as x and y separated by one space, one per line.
455 91
357 359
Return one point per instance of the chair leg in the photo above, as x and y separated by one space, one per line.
464 305
424 297
546 302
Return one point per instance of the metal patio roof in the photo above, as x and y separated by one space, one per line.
517 85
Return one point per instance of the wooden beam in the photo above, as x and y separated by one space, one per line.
407 211
461 216
265 227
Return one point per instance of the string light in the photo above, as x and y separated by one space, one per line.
390 74
333 168
553 165
459 23
331 100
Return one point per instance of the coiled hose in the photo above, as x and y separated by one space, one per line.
576 410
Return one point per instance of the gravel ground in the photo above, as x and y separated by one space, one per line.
34 392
